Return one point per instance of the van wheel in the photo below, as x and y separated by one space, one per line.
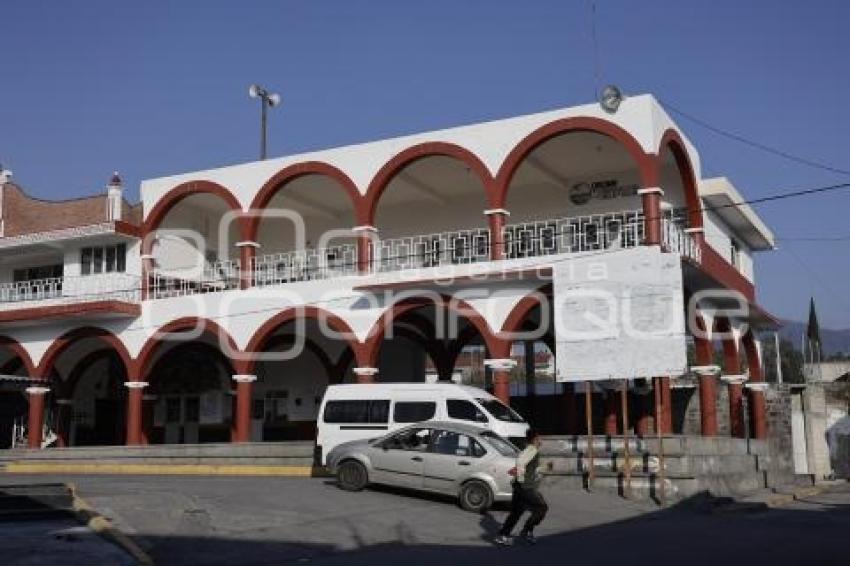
352 475
476 496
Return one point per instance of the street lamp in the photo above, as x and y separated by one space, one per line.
267 99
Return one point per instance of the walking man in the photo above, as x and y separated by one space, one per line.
526 494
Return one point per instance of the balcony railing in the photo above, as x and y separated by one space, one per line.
305 265
214 277
574 234
537 238
70 289
432 250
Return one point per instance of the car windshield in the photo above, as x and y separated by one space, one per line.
501 445
500 411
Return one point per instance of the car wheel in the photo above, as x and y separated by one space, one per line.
352 475
476 496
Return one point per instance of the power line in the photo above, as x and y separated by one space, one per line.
758 145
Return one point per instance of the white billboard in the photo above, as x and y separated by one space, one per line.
619 315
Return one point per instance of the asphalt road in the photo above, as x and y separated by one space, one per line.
216 520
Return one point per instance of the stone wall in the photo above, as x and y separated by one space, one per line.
779 437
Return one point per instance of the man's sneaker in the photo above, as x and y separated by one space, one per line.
528 538
502 540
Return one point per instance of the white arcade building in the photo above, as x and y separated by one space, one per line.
222 305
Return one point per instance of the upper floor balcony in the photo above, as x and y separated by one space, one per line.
544 239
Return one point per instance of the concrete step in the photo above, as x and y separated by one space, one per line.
222 450
673 445
642 486
675 465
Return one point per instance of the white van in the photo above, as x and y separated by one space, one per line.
370 410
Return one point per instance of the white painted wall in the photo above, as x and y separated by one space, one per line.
640 115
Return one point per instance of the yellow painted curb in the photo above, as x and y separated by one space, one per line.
159 469
102 526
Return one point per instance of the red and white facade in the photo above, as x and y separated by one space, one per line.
243 291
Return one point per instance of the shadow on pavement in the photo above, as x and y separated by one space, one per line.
688 533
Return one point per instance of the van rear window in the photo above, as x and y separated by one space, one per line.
413 411
371 411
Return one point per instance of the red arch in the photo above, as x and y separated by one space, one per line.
261 337
182 191
644 161
673 141
385 175
69 386
201 326
753 360
19 352
59 345
497 347
518 314
293 172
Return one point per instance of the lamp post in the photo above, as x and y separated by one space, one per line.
267 100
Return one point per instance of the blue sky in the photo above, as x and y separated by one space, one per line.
153 88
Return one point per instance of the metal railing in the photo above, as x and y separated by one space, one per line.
574 234
71 289
432 250
305 265
535 238
217 276
674 238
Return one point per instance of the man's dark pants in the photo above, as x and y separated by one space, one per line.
525 498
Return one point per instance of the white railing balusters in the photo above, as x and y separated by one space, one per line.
305 265
71 289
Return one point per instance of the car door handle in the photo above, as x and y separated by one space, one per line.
463 463
417 458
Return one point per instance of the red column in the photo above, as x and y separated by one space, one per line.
366 235
736 410
757 386
244 397
611 403
501 371
247 254
496 219
35 420
732 375
651 200
135 391
707 376
708 403
666 423
502 385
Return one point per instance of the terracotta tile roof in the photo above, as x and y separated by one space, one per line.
23 214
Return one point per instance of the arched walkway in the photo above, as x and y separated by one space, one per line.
183 389
295 355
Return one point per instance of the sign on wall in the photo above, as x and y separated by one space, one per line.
584 192
619 315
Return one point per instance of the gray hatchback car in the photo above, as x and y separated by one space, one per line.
474 464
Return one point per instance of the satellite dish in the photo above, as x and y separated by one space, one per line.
610 99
